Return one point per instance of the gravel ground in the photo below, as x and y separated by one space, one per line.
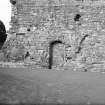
27 86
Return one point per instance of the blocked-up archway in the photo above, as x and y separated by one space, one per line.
56 53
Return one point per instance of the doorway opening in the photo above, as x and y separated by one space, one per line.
51 51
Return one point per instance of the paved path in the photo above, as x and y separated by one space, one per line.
50 86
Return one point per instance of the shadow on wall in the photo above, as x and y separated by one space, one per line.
13 2
3 35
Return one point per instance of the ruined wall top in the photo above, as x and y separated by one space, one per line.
28 12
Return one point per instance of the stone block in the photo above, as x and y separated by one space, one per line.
2 57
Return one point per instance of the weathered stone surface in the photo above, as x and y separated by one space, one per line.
2 57
42 22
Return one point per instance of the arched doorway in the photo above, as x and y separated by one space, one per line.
56 53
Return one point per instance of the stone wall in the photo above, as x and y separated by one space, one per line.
79 24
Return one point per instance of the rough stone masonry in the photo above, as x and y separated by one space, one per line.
67 34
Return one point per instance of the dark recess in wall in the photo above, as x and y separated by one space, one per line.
77 17
13 2
51 52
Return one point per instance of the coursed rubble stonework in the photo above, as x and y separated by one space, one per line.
37 23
